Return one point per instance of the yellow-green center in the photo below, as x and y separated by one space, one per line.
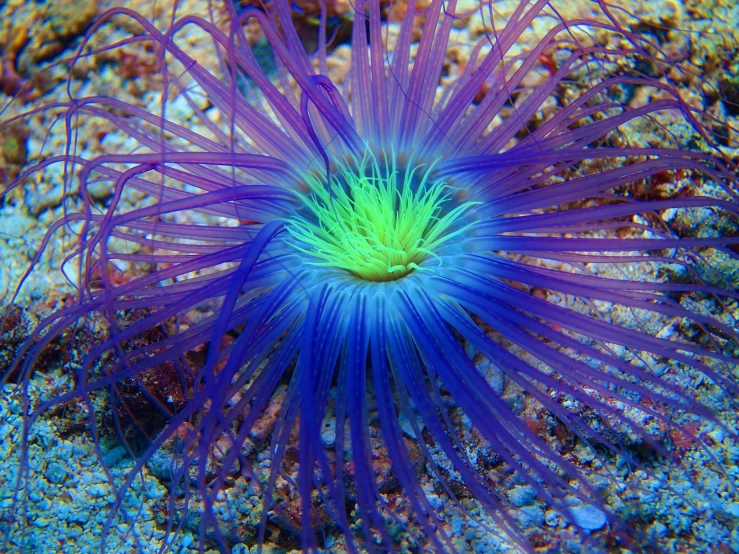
376 222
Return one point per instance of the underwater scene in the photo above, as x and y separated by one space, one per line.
377 276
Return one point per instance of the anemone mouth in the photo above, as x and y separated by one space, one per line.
377 220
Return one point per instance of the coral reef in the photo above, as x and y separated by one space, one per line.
460 286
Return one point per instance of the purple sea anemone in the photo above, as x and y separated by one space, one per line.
358 301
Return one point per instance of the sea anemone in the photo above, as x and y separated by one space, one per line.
459 274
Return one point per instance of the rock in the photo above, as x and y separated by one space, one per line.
522 495
114 455
55 473
531 516
728 88
588 517
492 374
263 427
